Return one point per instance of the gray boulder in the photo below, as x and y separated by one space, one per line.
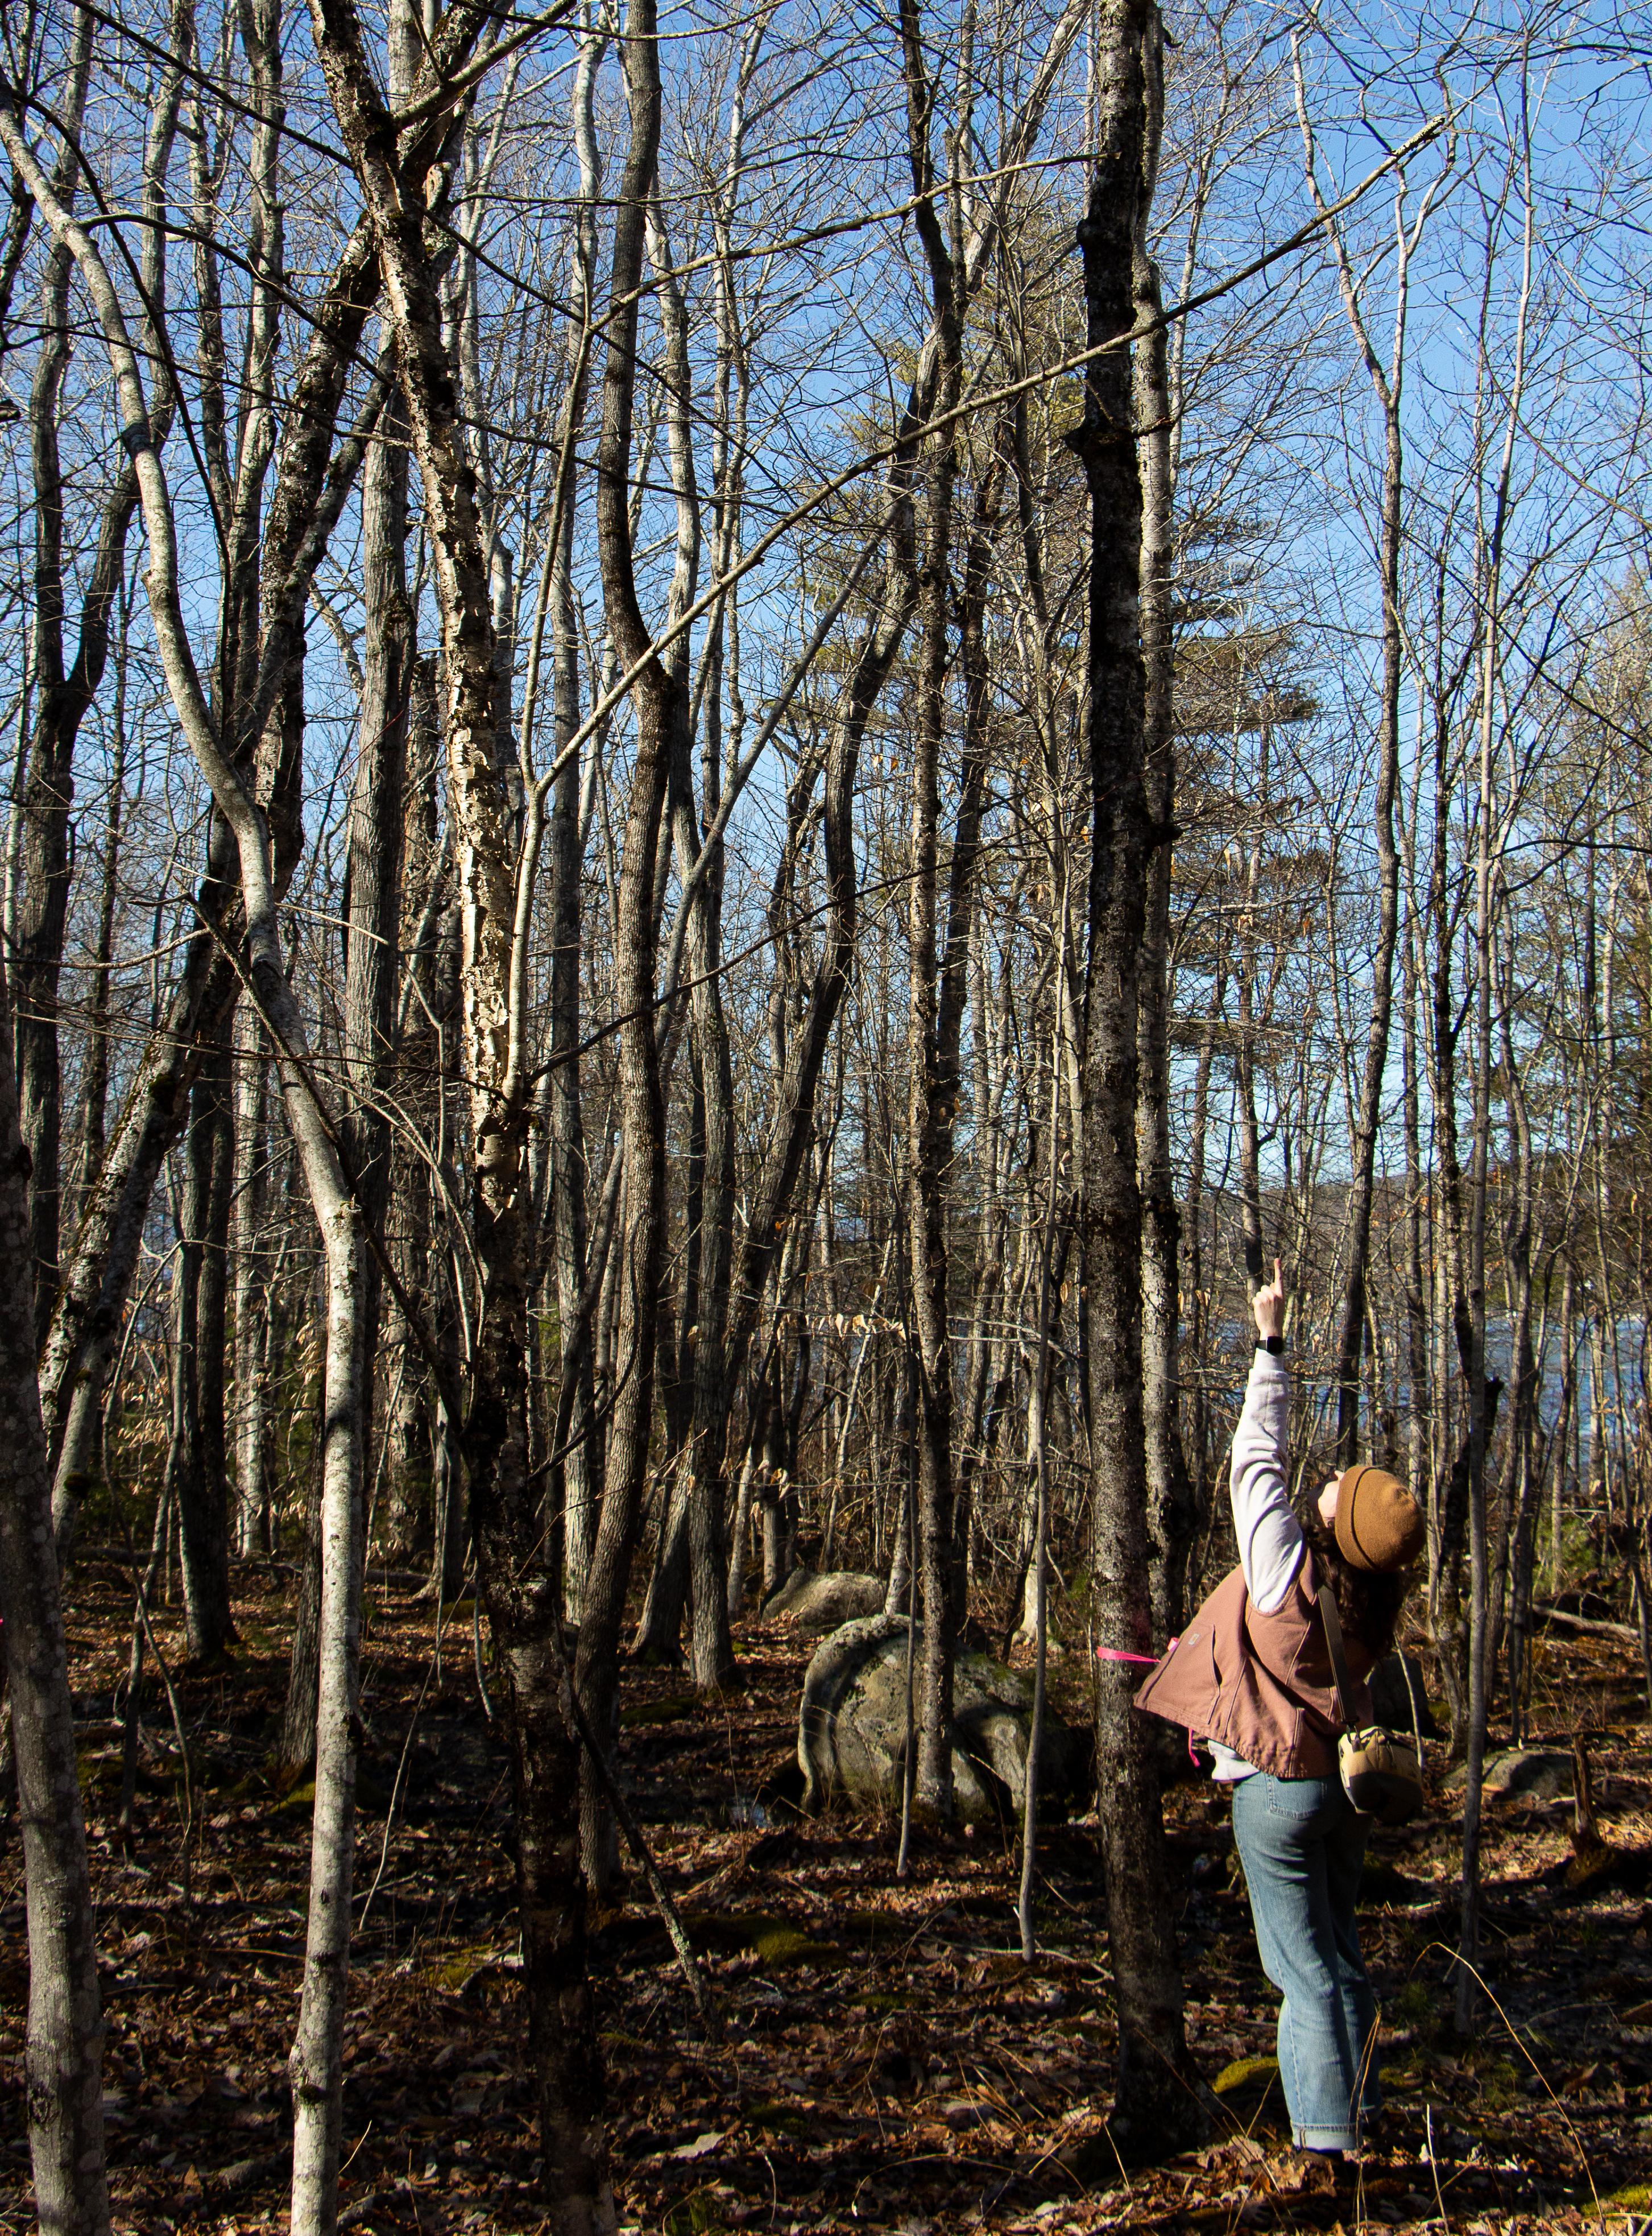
1524 1774
819 1603
851 1730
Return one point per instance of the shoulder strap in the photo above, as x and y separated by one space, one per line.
1333 1623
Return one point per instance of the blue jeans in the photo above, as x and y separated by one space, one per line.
1301 1843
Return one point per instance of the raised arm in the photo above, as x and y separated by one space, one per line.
1271 1537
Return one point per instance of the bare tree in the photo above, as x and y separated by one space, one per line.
1154 2100
63 2071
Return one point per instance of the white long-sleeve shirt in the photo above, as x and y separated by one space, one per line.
1270 1537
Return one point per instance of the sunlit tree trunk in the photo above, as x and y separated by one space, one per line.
575 1465
312 485
373 909
1386 381
316 2063
398 179
661 707
928 1116
1173 1515
1155 2107
251 1357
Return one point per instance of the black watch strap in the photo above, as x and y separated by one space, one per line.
1273 1345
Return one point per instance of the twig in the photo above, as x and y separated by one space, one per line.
140 1593
639 1846
1458 1957
476 1649
177 1725
1433 2168
401 1767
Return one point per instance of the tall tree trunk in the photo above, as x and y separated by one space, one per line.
892 608
1420 1410
95 1071
1245 1005
375 845
1155 2107
660 703
41 820
1564 1431
1368 1113
426 1035
62 2058
928 1121
517 1575
81 1460
1387 385
295 1747
312 485
710 1240
86 1330
251 1361
1525 1465
956 975
1173 1517
1479 1670
196 1454
316 2060
315 2063
575 1464
1199 1410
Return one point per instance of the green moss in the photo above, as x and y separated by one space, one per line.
1499 2084
778 2118
1243 2069
672 1708
453 1972
1417 2006
1634 2196
883 2003
778 1945
695 2216
95 1770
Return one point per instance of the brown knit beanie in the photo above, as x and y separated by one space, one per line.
1379 1523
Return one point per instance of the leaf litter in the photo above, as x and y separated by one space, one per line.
888 2062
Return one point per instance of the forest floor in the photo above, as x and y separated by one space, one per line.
888 2062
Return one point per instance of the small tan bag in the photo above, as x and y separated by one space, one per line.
1381 1772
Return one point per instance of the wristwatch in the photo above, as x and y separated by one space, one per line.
1273 1345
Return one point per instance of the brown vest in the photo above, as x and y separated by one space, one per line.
1260 1684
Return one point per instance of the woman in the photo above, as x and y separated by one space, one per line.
1251 1675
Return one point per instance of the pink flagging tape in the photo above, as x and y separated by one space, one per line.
1117 1654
